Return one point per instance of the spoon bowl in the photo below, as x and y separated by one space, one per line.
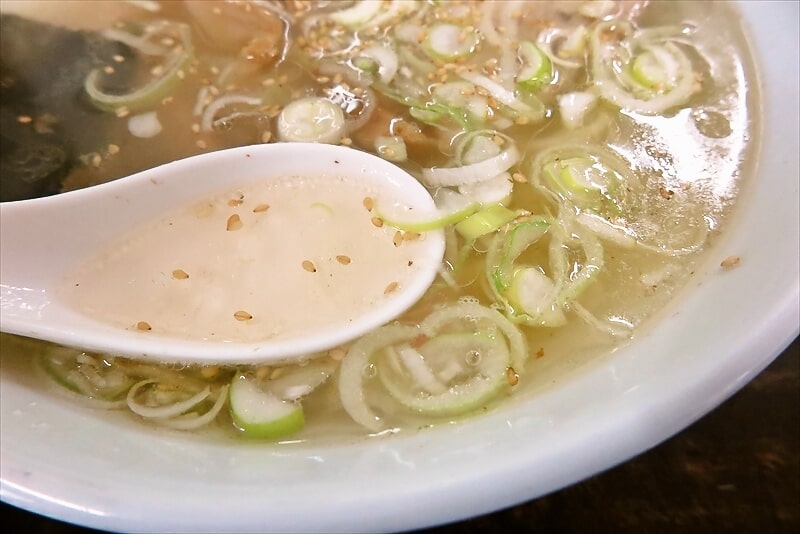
44 239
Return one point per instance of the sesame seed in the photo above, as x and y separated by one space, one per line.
730 261
209 371
368 203
24 119
266 137
337 354
377 221
261 208
309 266
118 58
180 274
344 260
397 240
113 149
242 315
144 326
234 223
391 287
511 376
201 143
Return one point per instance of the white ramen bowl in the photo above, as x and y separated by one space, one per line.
64 461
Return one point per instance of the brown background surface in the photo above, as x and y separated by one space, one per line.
736 470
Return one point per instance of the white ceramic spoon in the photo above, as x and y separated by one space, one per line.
42 239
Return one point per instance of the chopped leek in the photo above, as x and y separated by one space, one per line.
451 207
151 94
312 120
469 174
645 73
261 414
359 14
471 371
534 293
486 221
590 178
391 148
536 69
449 41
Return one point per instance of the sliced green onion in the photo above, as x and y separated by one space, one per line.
645 72
532 109
87 375
312 120
391 148
492 191
449 41
648 69
354 365
358 14
469 174
451 207
155 90
534 293
478 318
381 60
486 221
481 360
536 69
298 381
158 404
590 178
574 106
259 413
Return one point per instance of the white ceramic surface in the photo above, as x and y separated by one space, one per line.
70 464
37 251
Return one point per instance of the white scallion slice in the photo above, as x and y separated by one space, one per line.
643 77
536 69
535 295
384 60
311 120
261 414
299 380
485 361
492 191
358 14
473 173
449 41
486 221
451 207
477 315
354 365
171 408
574 106
391 148
156 89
